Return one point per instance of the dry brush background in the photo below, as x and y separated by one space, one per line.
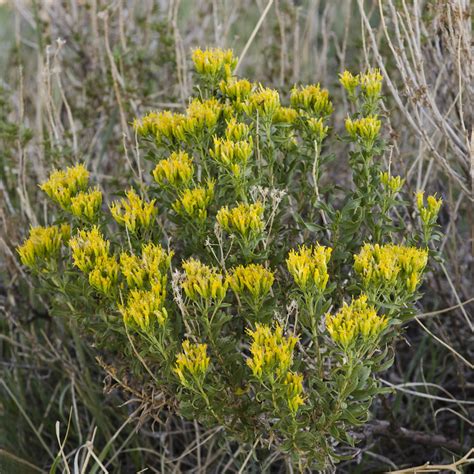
74 74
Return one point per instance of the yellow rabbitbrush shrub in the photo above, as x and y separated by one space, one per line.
262 299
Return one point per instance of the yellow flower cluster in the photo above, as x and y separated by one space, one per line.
428 213
86 204
155 258
387 266
285 115
131 267
214 63
391 183
272 352
232 155
365 129
176 171
371 83
150 267
163 126
253 279
202 115
317 129
349 82
103 276
133 213
63 185
203 282
236 131
294 389
357 320
169 128
264 101
238 91
43 243
194 202
145 307
192 361
311 99
90 253
309 267
244 219
88 247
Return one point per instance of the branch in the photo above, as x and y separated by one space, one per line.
384 428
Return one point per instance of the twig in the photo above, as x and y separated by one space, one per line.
427 467
254 32
384 428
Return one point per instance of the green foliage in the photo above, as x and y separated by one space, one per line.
195 283
12 137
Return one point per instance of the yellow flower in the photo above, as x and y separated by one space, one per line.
202 116
131 267
88 246
237 91
391 266
133 213
192 361
63 185
194 202
428 213
272 352
214 63
434 205
253 279
155 258
371 83
145 307
87 204
365 129
229 153
349 82
317 129
294 388
420 200
43 243
309 267
285 115
164 127
203 282
236 131
244 219
177 170
391 183
264 101
355 321
103 277
151 267
311 99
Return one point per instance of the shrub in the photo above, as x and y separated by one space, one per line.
255 293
